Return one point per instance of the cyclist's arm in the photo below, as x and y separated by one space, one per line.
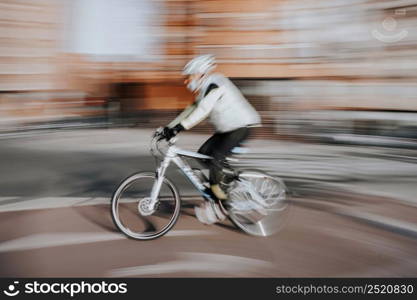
184 114
203 108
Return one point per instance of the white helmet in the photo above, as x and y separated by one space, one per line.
200 65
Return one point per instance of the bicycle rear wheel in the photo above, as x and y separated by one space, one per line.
132 195
258 203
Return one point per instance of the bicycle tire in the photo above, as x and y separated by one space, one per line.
123 187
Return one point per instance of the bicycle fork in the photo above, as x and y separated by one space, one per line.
160 176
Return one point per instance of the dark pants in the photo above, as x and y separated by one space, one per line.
219 146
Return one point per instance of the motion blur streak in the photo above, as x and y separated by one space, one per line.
83 84
192 262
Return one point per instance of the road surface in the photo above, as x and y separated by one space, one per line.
353 212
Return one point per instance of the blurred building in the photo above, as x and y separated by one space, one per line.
306 64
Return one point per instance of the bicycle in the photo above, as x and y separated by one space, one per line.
257 202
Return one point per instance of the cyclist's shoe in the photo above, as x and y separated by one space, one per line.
209 213
218 192
205 214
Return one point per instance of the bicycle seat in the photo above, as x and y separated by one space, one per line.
240 150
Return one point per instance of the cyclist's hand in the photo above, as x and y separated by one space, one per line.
167 133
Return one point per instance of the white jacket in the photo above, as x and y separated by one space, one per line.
227 108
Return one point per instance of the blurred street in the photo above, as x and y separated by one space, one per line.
353 211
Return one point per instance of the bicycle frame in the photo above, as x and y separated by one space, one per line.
248 200
174 154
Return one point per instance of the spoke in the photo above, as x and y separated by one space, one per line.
261 228
259 204
128 216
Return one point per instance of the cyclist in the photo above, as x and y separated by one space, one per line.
230 113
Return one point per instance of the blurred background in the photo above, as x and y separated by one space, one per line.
83 84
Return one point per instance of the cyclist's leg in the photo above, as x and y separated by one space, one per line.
226 142
206 212
208 147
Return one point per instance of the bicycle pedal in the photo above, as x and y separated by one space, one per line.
224 207
219 211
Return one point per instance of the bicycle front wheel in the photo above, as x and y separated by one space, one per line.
127 207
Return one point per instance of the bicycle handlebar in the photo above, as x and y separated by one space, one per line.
157 138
